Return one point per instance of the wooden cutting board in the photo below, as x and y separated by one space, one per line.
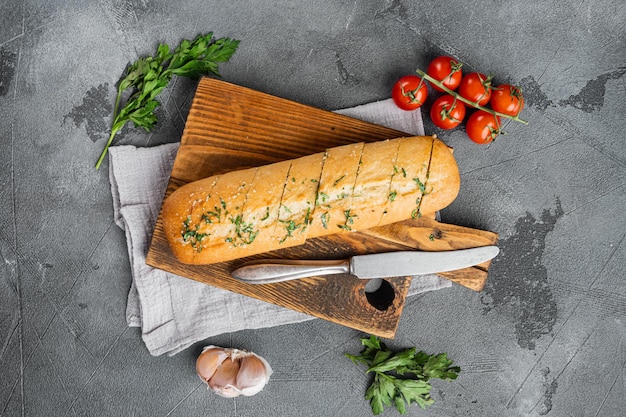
231 127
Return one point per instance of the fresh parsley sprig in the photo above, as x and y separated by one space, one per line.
401 378
148 76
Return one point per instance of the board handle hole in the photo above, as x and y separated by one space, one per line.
380 294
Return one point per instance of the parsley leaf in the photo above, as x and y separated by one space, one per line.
148 76
401 378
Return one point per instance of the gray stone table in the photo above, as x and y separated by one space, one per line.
546 337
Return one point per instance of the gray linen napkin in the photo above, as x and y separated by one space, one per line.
175 312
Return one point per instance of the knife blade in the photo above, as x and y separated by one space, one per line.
370 266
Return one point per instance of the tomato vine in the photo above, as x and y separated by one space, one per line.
470 103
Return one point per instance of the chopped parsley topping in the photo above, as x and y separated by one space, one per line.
325 217
212 216
290 226
267 214
338 180
245 231
420 184
192 236
321 197
186 222
349 220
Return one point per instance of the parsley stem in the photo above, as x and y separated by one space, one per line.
114 131
106 147
118 98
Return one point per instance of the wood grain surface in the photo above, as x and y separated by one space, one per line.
231 127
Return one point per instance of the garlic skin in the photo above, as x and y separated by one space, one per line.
223 381
253 375
232 372
208 362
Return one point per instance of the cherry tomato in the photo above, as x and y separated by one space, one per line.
447 112
482 127
476 87
507 99
409 92
447 70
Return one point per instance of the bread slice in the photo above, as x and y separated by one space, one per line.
298 200
332 207
257 220
347 188
220 223
408 181
371 189
443 181
182 215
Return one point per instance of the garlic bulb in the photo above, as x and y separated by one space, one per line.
232 372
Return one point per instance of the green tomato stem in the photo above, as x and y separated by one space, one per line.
466 101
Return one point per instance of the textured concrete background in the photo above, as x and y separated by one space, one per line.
546 337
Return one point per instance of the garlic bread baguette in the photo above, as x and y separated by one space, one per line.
347 188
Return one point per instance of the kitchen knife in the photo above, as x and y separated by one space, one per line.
377 265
